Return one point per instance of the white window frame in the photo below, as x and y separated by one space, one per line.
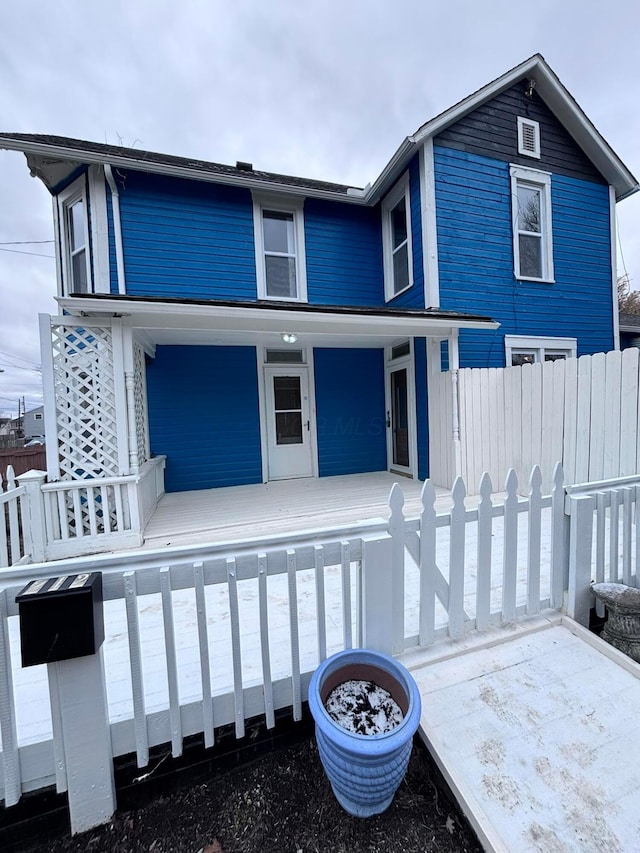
400 191
293 206
541 181
538 346
535 126
77 191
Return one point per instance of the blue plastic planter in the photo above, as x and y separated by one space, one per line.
364 770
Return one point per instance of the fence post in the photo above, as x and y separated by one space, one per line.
79 689
580 546
36 532
559 550
396 565
378 612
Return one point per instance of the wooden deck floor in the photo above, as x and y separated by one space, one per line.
536 735
239 512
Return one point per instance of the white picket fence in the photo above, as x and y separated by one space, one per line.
15 528
583 412
200 637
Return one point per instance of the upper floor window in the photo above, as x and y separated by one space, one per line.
521 350
73 223
396 240
280 256
532 227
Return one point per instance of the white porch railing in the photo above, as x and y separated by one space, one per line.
15 529
200 637
74 517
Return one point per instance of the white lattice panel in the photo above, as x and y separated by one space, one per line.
85 401
140 398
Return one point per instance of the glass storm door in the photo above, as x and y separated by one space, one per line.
398 418
288 424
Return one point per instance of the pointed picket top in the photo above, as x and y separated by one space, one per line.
558 476
511 483
535 480
11 477
396 501
458 492
428 495
485 488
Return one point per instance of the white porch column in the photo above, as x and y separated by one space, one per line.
129 378
122 367
454 366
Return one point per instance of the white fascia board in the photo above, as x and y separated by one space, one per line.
237 318
77 156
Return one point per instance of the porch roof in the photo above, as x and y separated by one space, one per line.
327 325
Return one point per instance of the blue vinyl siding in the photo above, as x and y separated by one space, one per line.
422 422
343 245
350 411
187 239
414 297
475 250
203 414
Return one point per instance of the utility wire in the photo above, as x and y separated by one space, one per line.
21 252
23 242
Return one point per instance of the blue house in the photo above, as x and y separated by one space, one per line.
251 326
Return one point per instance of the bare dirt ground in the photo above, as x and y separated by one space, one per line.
281 803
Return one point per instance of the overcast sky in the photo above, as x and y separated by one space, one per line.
320 88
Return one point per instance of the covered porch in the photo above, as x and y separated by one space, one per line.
286 506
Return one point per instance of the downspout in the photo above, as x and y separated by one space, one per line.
454 366
117 228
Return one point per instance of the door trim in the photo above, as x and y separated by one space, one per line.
262 403
407 363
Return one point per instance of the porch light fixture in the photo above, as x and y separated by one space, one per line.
289 337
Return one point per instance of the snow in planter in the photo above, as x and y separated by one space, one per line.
363 707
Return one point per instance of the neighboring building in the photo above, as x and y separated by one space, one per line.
33 423
254 326
629 330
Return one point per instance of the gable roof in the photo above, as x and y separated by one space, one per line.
42 149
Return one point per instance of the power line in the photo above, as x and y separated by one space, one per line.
23 242
18 358
20 252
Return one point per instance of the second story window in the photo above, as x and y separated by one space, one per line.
74 239
396 240
280 256
532 232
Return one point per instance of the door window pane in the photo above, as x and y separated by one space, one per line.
288 427
286 393
400 418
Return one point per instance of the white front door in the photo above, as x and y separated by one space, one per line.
288 411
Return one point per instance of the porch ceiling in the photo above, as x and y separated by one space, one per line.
175 321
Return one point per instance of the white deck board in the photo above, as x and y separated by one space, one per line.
237 512
536 736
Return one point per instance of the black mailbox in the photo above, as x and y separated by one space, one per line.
61 618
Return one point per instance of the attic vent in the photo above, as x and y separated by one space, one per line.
244 167
528 137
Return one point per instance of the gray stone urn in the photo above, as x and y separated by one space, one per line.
622 628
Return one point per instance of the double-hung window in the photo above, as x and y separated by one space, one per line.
73 224
532 226
396 240
280 256
520 349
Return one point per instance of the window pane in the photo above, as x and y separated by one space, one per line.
286 392
530 255
278 232
76 225
281 276
520 358
528 209
401 269
288 428
398 224
555 356
79 272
